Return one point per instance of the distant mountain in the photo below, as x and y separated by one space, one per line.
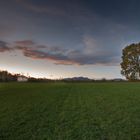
77 79
118 79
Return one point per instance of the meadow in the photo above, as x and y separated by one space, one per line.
70 111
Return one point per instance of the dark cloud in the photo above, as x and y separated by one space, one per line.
94 59
114 9
41 7
63 56
25 43
5 30
4 46
90 54
50 56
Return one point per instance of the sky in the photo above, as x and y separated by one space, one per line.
67 38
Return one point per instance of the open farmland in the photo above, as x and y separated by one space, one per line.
79 111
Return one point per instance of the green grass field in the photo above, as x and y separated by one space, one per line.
60 111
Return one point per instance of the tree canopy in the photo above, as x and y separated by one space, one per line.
131 62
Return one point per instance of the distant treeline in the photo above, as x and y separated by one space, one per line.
32 79
5 76
74 80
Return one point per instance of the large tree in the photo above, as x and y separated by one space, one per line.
131 62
